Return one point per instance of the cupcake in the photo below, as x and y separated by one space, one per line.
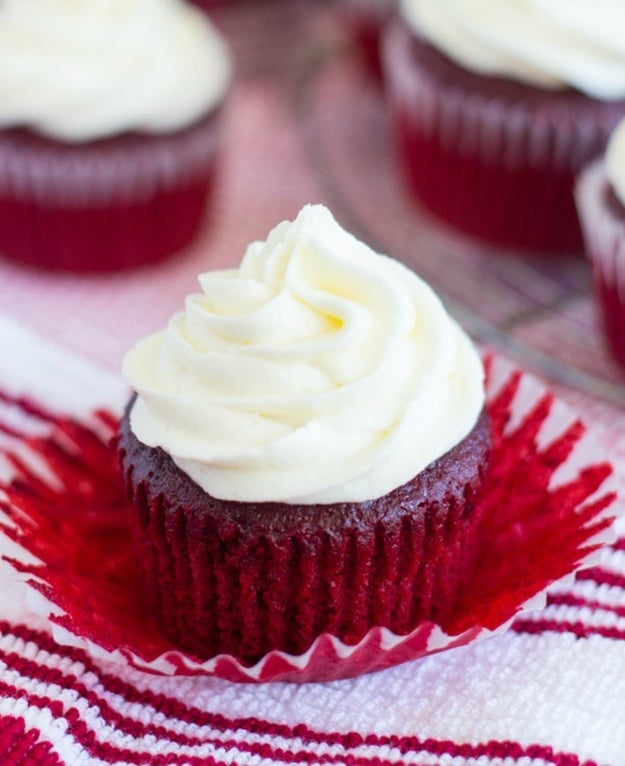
498 104
304 450
267 37
108 130
367 19
601 205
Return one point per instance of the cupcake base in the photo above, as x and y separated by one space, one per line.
248 578
107 205
494 158
603 222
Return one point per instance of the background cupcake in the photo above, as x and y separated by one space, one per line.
497 105
108 134
601 205
305 449
267 37
367 19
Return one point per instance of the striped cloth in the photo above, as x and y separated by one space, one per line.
549 691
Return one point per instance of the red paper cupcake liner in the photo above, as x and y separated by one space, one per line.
496 160
218 584
106 205
366 19
604 235
545 511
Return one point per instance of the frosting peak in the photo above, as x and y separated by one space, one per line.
550 43
316 372
79 70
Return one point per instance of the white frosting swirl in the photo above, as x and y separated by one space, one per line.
550 43
615 161
316 372
79 70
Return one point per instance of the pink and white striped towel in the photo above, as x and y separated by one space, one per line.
551 690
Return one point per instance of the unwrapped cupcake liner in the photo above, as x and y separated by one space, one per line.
111 204
604 235
547 507
503 173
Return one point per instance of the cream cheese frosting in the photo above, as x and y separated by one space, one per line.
615 161
316 372
78 70
549 43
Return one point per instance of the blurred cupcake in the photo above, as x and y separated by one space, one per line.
305 449
601 206
498 104
267 38
108 129
367 19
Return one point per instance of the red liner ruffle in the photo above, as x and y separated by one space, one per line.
107 205
536 529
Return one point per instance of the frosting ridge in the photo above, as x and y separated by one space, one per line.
316 372
550 43
80 70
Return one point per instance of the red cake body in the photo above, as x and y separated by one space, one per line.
493 157
246 578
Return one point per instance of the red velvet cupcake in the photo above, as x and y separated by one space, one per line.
367 19
305 450
601 205
108 138
265 36
496 111
246 578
